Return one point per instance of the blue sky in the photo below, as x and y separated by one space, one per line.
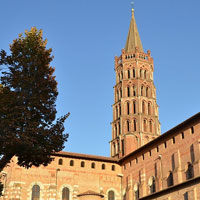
86 35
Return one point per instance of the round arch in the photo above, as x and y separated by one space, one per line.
31 186
65 186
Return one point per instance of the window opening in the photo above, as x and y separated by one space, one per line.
128 108
128 73
134 107
170 180
60 161
65 193
35 192
192 130
135 125
111 195
128 126
82 164
182 135
71 163
113 167
103 166
128 91
143 107
122 147
145 125
149 108
190 171
133 73
142 90
147 92
93 165
152 185
151 126
145 74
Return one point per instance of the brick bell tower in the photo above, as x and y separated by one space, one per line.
135 111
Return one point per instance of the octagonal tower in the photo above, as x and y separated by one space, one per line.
135 110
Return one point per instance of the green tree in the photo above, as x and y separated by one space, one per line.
28 125
1 188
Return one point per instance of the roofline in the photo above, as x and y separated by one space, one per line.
164 135
146 146
86 157
173 188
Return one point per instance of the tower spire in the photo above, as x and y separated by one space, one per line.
133 39
135 110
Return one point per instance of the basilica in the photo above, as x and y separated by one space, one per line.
143 164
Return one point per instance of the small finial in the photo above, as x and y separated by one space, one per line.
132 5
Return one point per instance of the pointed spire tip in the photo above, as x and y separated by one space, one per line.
133 39
132 10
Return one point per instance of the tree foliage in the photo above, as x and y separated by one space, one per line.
1 188
28 125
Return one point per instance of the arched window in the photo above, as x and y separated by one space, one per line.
128 108
142 92
135 125
118 147
151 126
192 154
133 73
120 92
140 73
134 107
121 75
143 107
152 184
71 163
129 74
93 165
128 91
128 125
35 192
149 108
60 161
190 171
145 125
103 166
111 195
117 96
114 148
65 193
82 164
134 91
136 191
119 128
170 180
145 74
147 92
116 111
115 131
113 168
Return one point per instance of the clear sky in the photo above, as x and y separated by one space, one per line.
85 35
